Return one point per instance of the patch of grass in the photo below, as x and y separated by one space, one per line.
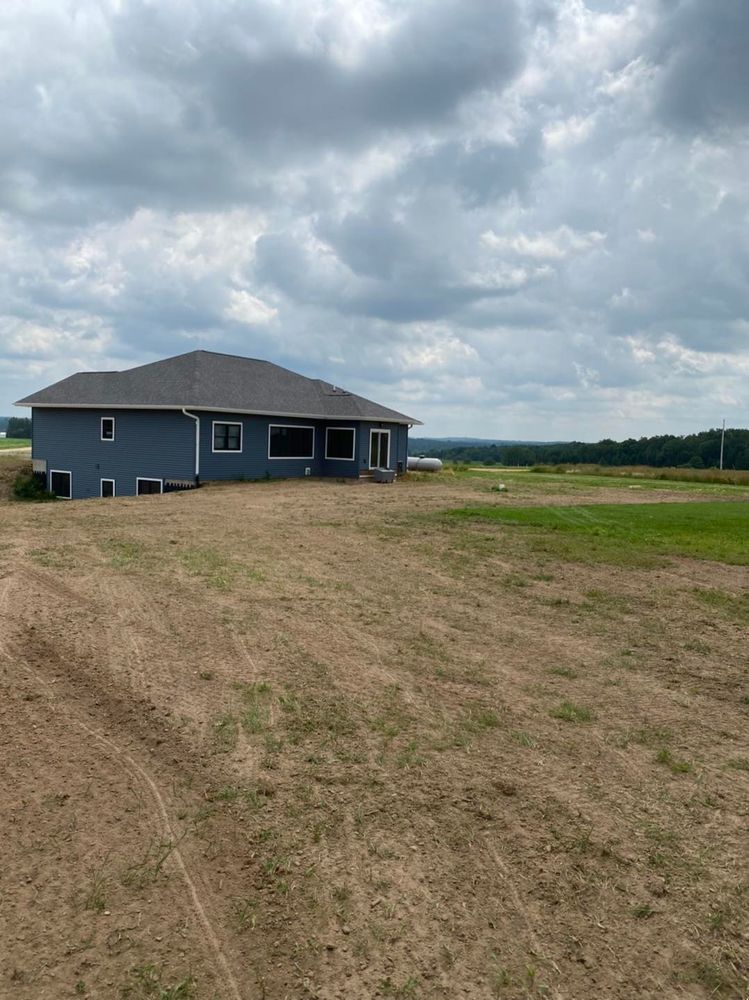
714 978
256 714
738 763
563 672
245 914
148 869
145 984
717 919
650 736
123 554
95 898
317 712
675 766
216 569
410 756
60 557
524 739
462 731
478 720
14 443
409 990
630 534
225 732
642 911
206 675
569 712
229 793
734 607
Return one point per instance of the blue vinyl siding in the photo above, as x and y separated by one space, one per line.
160 444
398 444
253 462
154 444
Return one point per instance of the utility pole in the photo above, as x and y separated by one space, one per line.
722 439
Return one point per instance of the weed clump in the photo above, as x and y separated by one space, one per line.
28 487
572 713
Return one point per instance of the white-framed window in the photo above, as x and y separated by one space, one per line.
227 436
107 428
61 484
144 486
107 488
379 448
291 441
340 444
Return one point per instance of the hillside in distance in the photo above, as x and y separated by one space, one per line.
697 451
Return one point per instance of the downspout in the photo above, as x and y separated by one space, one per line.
197 444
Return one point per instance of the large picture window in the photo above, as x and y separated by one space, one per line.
291 441
227 437
340 443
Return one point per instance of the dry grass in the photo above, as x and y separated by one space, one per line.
401 755
729 477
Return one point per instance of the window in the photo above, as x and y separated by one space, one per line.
379 449
291 441
227 437
143 486
340 443
61 484
107 428
106 487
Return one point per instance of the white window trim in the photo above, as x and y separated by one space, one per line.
148 479
332 458
227 451
101 488
101 429
378 430
292 458
62 472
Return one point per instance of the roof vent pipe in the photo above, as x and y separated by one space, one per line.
197 443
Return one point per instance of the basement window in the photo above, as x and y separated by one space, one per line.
107 428
227 437
61 484
340 443
145 486
291 441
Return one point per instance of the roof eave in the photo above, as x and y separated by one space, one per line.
400 419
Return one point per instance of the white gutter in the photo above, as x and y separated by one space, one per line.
197 442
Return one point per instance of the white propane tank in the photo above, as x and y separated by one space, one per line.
416 464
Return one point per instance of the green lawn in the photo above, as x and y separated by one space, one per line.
629 533
14 443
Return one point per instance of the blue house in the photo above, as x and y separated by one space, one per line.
203 416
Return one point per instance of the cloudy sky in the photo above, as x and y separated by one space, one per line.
510 218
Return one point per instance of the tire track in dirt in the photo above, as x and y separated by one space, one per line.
135 771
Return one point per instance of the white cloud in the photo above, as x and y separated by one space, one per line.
246 308
527 226
552 245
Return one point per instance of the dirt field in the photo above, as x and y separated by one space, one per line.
309 739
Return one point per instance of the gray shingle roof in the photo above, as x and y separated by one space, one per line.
207 381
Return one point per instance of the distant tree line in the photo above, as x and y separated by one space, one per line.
18 427
696 451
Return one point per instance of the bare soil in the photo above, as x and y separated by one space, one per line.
308 739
